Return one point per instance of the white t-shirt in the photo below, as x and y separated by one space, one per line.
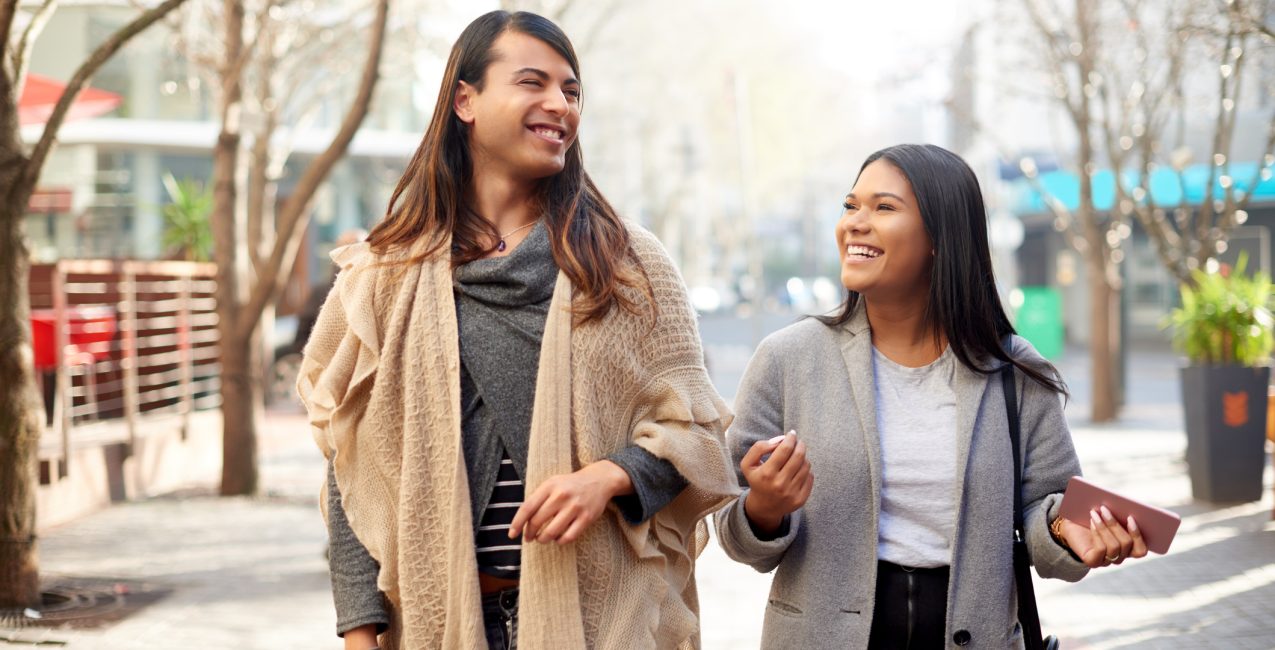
916 418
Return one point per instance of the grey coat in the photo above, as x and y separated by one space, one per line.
818 380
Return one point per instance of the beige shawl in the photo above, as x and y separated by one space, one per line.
381 383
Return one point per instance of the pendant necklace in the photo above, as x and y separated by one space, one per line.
502 246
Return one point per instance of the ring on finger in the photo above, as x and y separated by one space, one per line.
1111 558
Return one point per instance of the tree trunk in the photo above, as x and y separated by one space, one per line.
20 569
242 297
1101 348
1104 340
239 430
240 404
20 407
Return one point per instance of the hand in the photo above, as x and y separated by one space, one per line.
1104 541
563 506
361 638
780 484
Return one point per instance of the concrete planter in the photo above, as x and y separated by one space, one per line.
1226 411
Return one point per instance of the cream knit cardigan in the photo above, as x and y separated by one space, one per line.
381 382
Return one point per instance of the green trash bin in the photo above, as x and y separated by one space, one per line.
1039 320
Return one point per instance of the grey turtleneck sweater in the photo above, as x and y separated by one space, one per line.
501 307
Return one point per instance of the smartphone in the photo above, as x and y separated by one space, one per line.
1158 525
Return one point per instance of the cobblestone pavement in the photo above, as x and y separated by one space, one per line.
249 573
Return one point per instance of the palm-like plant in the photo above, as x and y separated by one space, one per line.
186 225
1225 318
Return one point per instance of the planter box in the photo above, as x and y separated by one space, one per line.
1226 410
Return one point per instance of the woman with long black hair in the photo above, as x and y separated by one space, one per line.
508 382
894 403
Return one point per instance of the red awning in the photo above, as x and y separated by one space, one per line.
50 200
41 94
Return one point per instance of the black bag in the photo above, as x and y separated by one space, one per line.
1028 616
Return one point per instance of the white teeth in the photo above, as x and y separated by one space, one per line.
548 133
863 251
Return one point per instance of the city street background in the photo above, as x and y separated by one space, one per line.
1119 147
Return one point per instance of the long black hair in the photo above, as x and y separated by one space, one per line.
963 304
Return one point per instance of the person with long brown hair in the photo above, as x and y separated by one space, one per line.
508 383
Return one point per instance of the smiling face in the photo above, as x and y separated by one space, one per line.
523 117
885 251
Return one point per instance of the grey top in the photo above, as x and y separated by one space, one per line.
818 380
916 414
353 571
501 307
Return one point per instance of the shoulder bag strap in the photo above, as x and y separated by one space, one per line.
1028 615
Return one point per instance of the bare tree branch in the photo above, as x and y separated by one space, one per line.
1065 222
21 54
279 80
1255 24
258 156
80 79
236 60
1263 165
258 180
1204 215
8 13
1150 99
1057 52
298 203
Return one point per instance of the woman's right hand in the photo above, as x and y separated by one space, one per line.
779 485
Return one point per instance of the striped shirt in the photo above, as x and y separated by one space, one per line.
498 555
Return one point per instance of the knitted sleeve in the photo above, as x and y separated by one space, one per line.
340 359
656 482
335 381
676 413
353 571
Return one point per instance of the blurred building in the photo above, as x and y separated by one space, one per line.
1000 115
101 194
126 349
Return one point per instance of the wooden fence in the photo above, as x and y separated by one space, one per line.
117 343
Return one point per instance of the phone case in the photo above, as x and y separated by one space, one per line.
1158 525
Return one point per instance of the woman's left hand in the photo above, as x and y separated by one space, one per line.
1105 541
563 506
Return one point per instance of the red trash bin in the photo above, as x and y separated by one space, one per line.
86 324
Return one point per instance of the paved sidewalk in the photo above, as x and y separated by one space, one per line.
249 573
1214 589
243 573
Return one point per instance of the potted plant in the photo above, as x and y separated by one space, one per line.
187 227
1224 327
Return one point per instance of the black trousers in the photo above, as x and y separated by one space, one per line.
911 608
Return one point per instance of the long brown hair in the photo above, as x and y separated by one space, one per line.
589 241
